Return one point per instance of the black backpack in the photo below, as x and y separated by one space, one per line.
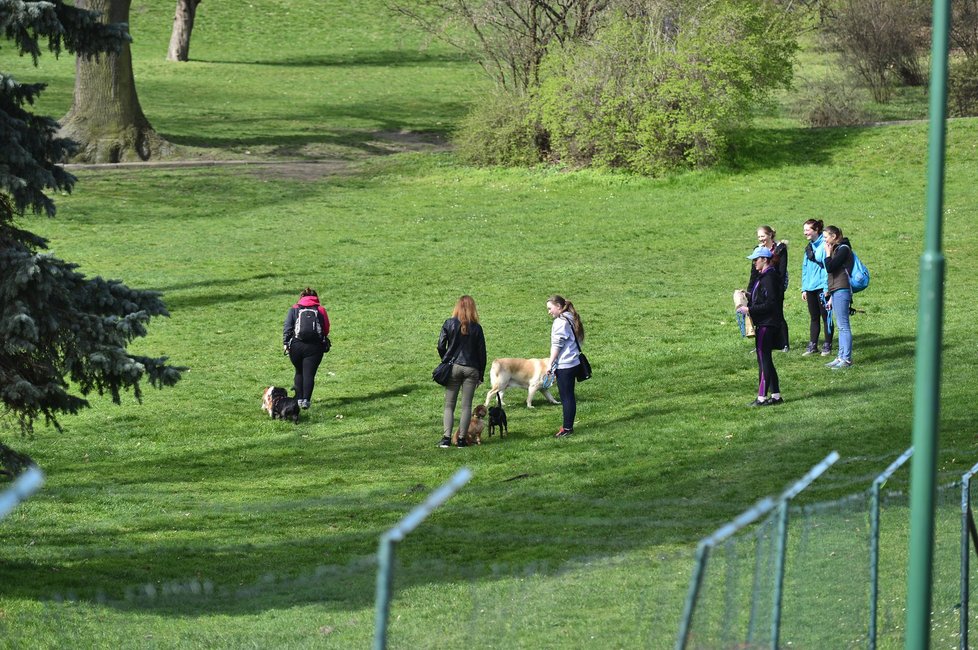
308 329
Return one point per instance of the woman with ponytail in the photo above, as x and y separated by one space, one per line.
566 337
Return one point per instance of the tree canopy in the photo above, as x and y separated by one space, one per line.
62 335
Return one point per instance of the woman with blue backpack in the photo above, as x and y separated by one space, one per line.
814 282
305 338
839 263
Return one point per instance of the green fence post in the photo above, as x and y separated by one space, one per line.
783 500
927 394
874 542
385 550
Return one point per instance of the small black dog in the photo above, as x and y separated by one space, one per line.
497 418
278 404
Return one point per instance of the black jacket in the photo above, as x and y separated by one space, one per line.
466 349
781 250
767 301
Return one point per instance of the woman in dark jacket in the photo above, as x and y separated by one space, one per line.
305 350
767 312
765 238
462 343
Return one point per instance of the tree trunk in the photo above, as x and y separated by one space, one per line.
183 26
105 118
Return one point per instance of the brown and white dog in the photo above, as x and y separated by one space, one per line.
526 373
276 402
476 425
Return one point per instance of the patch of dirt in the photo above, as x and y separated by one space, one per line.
377 143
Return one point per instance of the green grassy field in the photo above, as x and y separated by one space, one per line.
192 520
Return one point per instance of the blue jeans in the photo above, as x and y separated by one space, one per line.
841 301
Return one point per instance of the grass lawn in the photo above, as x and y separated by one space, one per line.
192 520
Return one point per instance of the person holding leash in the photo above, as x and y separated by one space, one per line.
767 311
813 285
566 335
838 294
463 343
304 339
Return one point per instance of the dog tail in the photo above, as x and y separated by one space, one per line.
499 400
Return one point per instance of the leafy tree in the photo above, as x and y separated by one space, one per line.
56 325
105 117
663 92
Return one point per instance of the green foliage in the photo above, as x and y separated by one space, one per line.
649 100
56 326
500 130
962 88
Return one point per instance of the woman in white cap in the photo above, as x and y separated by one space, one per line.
766 310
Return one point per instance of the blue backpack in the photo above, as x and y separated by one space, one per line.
859 277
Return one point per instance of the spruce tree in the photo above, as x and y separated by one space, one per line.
62 335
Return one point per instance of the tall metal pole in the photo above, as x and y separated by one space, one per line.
923 469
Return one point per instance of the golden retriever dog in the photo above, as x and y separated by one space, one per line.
526 373
476 425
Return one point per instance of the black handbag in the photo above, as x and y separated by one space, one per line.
442 373
583 368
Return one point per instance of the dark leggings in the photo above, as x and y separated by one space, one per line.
566 378
306 358
767 380
817 317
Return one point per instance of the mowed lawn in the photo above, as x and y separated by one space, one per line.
193 520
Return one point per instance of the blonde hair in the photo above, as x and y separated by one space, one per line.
466 312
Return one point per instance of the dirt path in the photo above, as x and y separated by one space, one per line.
378 143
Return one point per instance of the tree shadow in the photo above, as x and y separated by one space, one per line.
755 149
380 58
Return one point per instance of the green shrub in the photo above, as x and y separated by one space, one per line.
501 130
962 88
649 99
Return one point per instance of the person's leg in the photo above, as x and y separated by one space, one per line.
469 383
815 314
841 300
295 356
451 398
566 378
763 333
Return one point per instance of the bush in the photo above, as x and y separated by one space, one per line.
650 99
962 88
501 130
830 102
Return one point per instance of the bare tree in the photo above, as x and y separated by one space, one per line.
881 40
964 27
507 37
105 117
183 26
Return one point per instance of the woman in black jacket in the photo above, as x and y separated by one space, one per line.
304 339
464 345
766 238
767 312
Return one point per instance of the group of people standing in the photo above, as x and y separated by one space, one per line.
463 333
825 287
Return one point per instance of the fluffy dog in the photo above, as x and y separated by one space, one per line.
497 418
476 425
277 403
527 373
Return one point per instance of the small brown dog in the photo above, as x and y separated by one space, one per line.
476 425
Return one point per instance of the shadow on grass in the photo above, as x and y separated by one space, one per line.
577 501
755 149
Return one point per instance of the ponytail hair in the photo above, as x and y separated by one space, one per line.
816 225
308 292
835 230
568 307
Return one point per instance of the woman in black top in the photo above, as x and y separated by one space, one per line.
765 238
767 312
463 344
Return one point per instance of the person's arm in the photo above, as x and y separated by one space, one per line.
481 355
558 338
325 321
443 340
